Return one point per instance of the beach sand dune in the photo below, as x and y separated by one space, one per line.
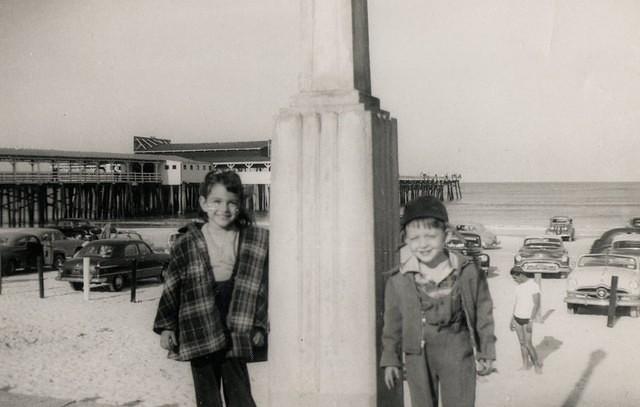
104 349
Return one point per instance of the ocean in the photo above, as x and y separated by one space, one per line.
516 207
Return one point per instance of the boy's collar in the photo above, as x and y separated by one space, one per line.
410 263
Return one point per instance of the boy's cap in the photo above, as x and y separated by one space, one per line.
425 207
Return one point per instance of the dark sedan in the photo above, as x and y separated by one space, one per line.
19 250
470 245
604 242
110 263
544 255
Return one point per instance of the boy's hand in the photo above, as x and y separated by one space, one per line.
258 338
529 326
168 340
512 325
484 367
391 374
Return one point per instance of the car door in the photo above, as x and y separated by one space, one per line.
33 250
146 263
130 254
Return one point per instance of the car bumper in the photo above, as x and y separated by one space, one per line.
79 279
581 299
531 268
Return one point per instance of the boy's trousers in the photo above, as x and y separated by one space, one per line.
212 370
447 360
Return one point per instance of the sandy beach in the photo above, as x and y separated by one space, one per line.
104 350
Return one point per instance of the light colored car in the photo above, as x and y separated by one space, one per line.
544 255
562 226
489 239
590 282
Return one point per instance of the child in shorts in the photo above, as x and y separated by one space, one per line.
525 308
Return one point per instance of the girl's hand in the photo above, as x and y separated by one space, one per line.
168 340
391 374
258 338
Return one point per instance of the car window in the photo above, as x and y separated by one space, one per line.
144 249
4 241
130 250
626 244
102 250
21 242
610 261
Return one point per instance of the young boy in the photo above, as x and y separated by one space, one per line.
438 312
525 308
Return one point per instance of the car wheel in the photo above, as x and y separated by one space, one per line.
572 308
58 261
117 283
76 286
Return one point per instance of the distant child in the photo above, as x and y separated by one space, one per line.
438 313
525 308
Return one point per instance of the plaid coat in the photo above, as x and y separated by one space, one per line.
187 305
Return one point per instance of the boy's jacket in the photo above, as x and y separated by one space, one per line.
402 331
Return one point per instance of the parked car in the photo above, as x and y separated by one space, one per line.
590 282
562 226
19 250
110 263
489 239
635 222
77 228
470 245
181 231
603 243
61 246
543 254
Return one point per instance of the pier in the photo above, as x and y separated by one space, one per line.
38 187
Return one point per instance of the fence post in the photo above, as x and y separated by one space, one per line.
538 279
40 275
134 281
86 279
613 299
0 274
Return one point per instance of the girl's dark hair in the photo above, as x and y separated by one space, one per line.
231 180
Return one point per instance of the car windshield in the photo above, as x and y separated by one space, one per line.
541 244
609 261
473 240
96 250
560 220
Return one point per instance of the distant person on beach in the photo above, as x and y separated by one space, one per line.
213 308
525 308
438 312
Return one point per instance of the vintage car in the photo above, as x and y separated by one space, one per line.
470 245
489 239
590 282
19 250
603 243
544 255
61 246
635 222
562 226
77 228
110 263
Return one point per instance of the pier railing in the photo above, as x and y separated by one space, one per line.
78 177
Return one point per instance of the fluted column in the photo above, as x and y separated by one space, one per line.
333 218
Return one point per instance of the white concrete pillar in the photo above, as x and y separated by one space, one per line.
333 219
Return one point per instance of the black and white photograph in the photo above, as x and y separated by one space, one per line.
314 203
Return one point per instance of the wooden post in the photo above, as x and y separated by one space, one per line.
613 299
86 278
538 279
0 274
133 280
40 276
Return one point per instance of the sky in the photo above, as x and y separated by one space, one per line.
497 90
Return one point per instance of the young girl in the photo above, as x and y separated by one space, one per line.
438 311
525 308
213 308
